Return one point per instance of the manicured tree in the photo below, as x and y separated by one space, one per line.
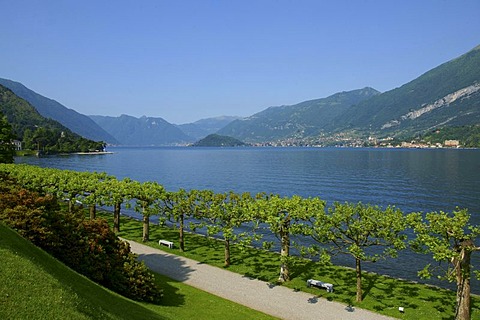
115 193
148 195
450 238
226 212
69 186
287 217
179 205
92 184
7 150
353 228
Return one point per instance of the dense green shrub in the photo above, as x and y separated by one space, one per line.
87 246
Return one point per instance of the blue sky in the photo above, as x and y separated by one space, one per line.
188 60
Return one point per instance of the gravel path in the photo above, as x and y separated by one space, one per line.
278 301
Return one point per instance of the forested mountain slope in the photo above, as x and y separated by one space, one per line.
49 108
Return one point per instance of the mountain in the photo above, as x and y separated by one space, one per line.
38 132
204 127
215 140
49 108
296 121
144 131
446 95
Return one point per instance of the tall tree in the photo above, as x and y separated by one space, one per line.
7 149
450 238
226 212
92 190
148 196
180 205
114 192
286 217
353 228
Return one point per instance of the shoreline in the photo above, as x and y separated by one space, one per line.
93 153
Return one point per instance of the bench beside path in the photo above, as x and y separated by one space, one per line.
278 301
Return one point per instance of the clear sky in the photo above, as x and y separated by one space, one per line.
188 60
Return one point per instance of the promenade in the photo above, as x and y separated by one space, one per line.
274 300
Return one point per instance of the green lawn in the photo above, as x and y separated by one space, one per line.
33 285
381 294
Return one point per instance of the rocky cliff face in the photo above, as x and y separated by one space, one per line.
444 102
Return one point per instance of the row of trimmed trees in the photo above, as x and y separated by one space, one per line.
352 229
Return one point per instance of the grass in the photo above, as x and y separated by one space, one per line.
34 285
381 294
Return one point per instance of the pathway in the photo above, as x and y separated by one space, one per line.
278 301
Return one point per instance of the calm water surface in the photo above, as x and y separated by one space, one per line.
412 180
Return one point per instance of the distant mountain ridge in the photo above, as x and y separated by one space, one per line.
52 109
143 131
204 127
445 95
448 95
296 121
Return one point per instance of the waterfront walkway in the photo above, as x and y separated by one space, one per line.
278 301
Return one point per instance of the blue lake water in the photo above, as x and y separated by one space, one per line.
410 179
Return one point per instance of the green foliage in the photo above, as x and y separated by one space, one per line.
286 217
441 234
6 141
226 212
39 133
450 239
353 229
367 233
215 140
88 246
469 136
383 294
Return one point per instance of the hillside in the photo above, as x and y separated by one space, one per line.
37 132
202 128
144 131
448 95
48 108
215 140
301 120
36 286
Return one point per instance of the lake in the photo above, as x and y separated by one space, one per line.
410 179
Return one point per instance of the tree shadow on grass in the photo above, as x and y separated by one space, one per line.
171 297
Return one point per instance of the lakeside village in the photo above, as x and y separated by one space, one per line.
348 142
336 141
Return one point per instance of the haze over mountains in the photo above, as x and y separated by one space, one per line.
448 95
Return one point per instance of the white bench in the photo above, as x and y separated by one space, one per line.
166 243
320 284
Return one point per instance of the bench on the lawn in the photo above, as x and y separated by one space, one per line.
320 284
166 243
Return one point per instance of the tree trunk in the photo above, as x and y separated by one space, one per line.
285 251
146 227
462 265
227 252
358 269
181 233
93 211
116 217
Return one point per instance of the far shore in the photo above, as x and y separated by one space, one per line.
93 153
